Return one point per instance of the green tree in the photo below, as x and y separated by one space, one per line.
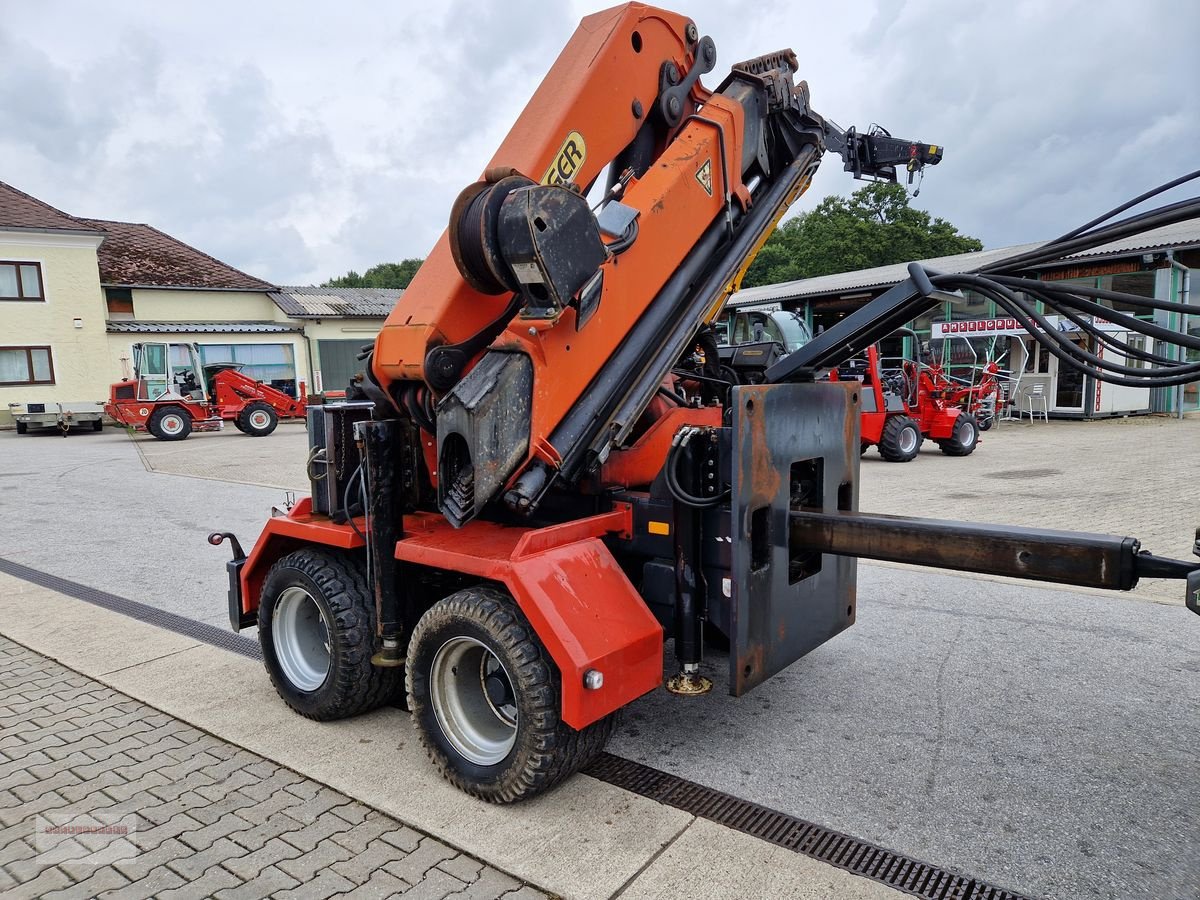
875 227
384 275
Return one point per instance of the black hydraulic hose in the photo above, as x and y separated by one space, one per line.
1058 345
684 496
1131 322
1109 341
346 502
1141 198
1051 287
1179 212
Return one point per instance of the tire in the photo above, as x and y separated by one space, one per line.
98 425
170 423
22 428
494 732
964 439
316 627
985 423
257 419
901 439
238 426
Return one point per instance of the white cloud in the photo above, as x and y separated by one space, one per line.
303 139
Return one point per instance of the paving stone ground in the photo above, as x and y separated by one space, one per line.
170 811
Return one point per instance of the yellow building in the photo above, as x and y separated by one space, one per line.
76 294
52 319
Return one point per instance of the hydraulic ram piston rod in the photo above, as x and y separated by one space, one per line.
1062 557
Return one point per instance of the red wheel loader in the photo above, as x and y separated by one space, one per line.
171 395
904 405
505 523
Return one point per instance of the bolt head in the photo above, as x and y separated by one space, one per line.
593 679
691 33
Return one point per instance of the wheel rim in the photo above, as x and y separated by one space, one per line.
259 419
908 439
171 424
966 434
301 639
472 697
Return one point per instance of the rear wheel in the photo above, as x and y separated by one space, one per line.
316 627
986 422
257 419
964 439
901 439
486 700
98 425
170 423
22 428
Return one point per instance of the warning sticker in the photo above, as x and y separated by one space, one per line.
704 176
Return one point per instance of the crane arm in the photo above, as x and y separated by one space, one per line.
539 330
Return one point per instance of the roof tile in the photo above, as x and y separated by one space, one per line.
19 210
135 255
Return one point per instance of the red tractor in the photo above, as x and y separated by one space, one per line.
902 406
172 395
981 399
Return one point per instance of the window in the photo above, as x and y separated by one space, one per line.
1135 342
273 364
26 365
119 302
21 281
1038 360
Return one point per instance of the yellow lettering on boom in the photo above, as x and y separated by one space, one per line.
567 161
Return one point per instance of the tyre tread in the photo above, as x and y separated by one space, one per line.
361 686
555 750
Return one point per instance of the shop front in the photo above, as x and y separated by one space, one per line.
1033 378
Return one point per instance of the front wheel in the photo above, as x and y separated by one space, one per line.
316 627
170 423
22 428
486 700
901 439
963 439
257 419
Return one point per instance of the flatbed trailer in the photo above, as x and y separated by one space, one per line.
63 416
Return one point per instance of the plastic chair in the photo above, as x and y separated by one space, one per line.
1035 396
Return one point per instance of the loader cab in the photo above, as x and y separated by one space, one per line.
751 340
168 371
779 325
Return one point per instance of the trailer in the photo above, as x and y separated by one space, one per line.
63 416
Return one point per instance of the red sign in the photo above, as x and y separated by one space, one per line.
975 328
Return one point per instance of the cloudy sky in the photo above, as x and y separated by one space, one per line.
299 140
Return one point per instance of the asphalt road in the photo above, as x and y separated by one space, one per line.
1039 739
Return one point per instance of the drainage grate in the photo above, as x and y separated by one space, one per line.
859 857
792 833
208 634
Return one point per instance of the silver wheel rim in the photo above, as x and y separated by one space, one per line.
301 639
967 436
172 424
908 439
259 419
472 697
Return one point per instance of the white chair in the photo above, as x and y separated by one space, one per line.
1035 397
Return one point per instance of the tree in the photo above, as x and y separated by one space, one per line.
875 227
384 275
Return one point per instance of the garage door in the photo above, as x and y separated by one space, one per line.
339 362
